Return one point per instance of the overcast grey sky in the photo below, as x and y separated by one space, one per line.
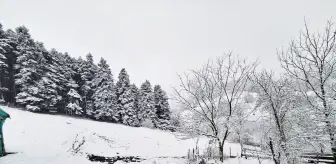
155 39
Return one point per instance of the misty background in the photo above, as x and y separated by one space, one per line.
155 39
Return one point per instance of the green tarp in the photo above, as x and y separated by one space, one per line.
3 117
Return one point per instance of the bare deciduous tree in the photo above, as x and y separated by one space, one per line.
277 100
213 96
311 61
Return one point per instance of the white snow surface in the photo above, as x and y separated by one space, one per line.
48 139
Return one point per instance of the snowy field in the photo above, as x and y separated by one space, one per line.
47 139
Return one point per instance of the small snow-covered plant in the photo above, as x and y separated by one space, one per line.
74 94
73 107
32 108
175 118
147 123
164 124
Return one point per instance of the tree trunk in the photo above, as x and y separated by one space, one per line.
241 150
273 153
333 147
221 153
283 139
85 106
284 146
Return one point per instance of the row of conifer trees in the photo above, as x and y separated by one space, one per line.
42 80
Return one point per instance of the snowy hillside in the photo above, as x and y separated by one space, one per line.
47 139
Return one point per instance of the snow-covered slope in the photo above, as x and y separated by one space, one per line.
48 139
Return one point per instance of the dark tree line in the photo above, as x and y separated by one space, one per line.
43 81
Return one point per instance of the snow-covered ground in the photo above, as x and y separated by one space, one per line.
48 139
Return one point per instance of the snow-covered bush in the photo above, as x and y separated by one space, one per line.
148 123
175 119
32 108
74 109
164 124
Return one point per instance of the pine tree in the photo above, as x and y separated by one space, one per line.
87 72
61 75
123 95
4 46
127 96
10 45
29 71
104 96
161 108
134 113
57 72
146 104
3 72
71 70
49 83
